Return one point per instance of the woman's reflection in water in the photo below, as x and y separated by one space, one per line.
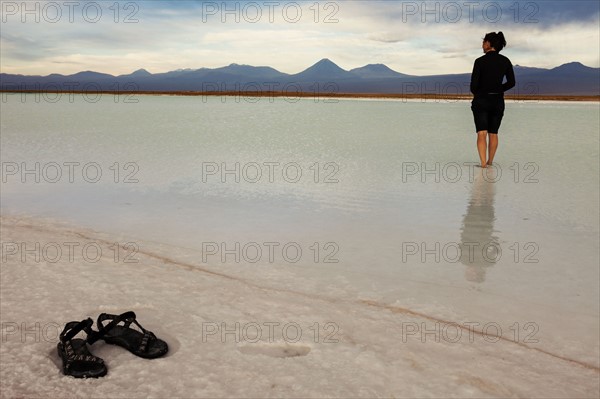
479 246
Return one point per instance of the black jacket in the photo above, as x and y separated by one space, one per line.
489 71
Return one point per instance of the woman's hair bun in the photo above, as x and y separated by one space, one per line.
497 40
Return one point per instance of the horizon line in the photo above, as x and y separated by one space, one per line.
285 73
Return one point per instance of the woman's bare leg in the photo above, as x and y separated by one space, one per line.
482 146
493 147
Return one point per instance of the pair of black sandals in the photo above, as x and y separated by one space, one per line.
80 363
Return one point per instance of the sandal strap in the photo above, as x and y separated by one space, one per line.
115 319
94 336
70 331
148 337
127 318
73 328
72 357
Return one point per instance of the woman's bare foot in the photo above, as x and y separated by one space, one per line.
484 166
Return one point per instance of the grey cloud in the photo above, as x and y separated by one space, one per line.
564 11
454 55
389 37
449 50
544 13
383 39
23 47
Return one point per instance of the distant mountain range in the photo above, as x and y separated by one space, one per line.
323 77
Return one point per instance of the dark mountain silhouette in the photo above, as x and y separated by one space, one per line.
90 75
250 72
324 70
376 71
572 78
523 70
139 73
572 67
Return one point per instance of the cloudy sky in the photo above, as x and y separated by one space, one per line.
413 37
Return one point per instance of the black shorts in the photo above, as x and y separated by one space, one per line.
488 111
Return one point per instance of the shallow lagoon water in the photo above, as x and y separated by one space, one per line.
382 198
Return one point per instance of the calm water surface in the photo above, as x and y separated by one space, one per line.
381 197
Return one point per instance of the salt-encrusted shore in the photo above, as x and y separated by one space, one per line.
231 336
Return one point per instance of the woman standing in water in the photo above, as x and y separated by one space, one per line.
488 90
